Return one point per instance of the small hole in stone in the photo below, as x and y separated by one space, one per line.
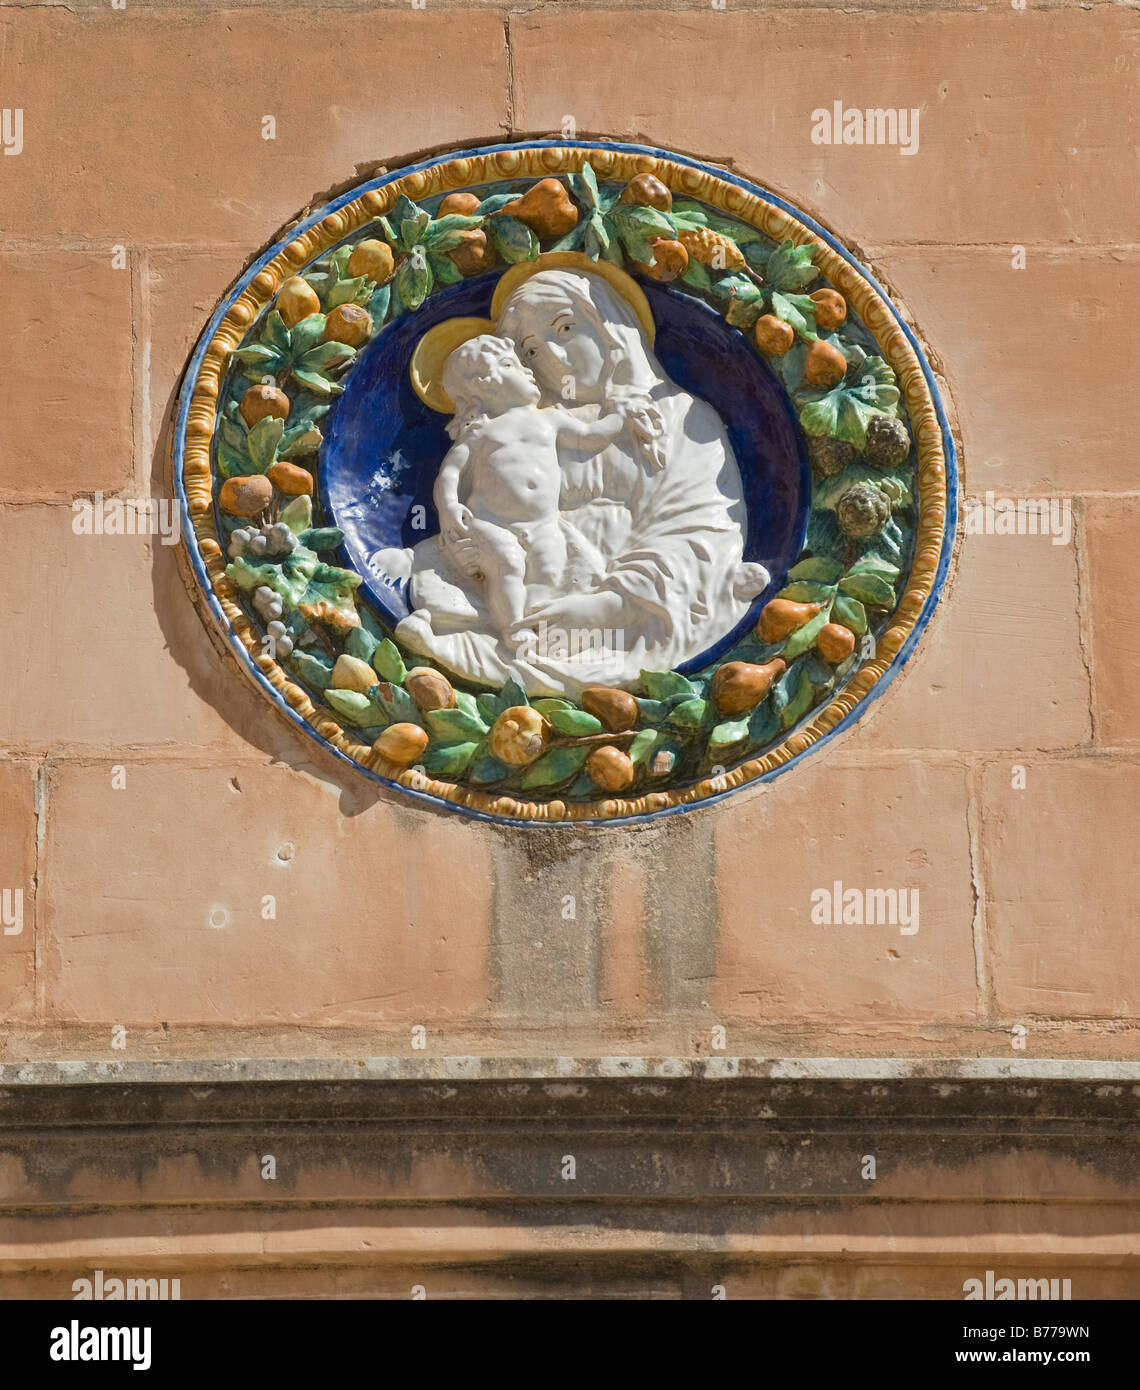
285 852
219 917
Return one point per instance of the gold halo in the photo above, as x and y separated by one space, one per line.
624 284
433 350
438 343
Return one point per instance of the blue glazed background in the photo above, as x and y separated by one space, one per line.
251 670
380 429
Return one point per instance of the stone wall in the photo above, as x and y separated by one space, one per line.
150 800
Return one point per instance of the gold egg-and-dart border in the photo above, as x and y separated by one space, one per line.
615 164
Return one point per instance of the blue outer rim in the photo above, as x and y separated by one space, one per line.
438 802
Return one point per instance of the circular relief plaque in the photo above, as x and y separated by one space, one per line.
565 482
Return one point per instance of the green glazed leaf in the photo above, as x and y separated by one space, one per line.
554 767
412 229
875 564
351 705
790 267
257 353
851 613
414 282
797 310
450 760
322 537
584 186
232 463
512 694
360 643
388 663
818 567
513 240
800 696
575 722
312 669
743 312
446 233
582 237
728 734
489 706
495 203
688 716
487 769
275 334
262 442
697 276
326 356
807 591
659 685
467 703
378 304
805 636
549 703
348 291
319 385
734 285
444 270
764 724
305 439
757 253
397 704
298 516
871 589
819 672
644 742
453 725
651 711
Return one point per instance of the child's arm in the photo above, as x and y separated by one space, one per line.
588 434
640 414
445 493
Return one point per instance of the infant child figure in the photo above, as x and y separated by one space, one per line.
498 487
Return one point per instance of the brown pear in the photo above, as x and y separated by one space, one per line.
610 768
739 686
545 208
824 366
475 253
465 204
430 689
259 402
781 617
647 191
617 709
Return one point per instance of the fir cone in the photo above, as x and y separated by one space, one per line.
888 443
862 511
701 245
829 457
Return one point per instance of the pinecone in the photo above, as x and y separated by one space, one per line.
862 511
888 442
829 457
701 244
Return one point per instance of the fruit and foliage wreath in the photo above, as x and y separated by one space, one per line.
676 728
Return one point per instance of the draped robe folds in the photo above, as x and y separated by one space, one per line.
671 539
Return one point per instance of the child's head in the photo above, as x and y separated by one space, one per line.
484 376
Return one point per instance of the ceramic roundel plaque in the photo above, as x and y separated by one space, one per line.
565 482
